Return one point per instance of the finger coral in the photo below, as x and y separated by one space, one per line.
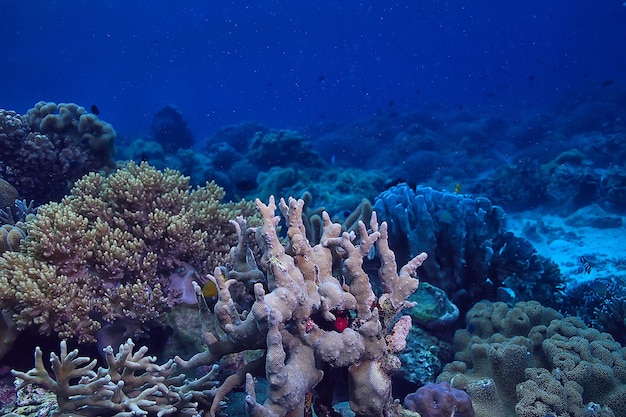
119 249
307 316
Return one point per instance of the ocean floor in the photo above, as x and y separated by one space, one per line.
589 235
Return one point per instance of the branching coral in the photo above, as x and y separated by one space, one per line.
131 384
119 249
473 257
304 318
308 319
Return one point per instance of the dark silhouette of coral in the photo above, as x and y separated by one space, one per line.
170 129
43 152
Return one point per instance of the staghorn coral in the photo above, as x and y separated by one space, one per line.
309 321
120 249
131 384
52 146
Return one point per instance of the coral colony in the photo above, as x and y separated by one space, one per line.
297 303
285 311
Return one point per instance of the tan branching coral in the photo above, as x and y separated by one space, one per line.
132 384
120 248
309 319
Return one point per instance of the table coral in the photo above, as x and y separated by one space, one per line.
120 249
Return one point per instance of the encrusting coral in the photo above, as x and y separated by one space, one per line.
119 249
306 318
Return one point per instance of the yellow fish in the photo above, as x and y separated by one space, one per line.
209 289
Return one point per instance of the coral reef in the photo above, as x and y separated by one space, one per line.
119 250
52 146
613 186
306 319
336 190
422 359
601 304
8 194
515 186
433 309
13 225
282 148
473 257
553 365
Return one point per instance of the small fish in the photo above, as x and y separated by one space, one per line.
585 266
95 110
209 289
457 188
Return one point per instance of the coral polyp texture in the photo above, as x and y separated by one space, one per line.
308 317
119 249
52 145
529 361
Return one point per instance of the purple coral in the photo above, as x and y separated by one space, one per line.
439 400
50 147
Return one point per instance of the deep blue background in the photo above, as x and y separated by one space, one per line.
290 64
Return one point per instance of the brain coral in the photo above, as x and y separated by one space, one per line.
119 249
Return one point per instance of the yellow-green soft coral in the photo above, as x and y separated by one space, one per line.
121 248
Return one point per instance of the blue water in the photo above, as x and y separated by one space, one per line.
294 64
